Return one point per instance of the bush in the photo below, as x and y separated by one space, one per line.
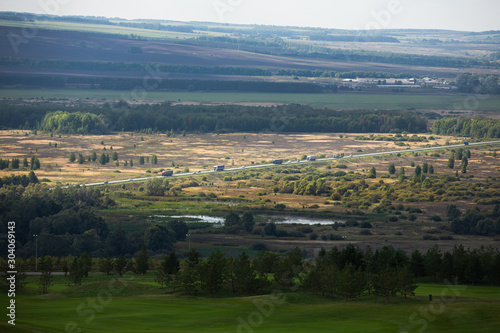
334 237
393 219
365 232
365 225
282 233
313 236
436 218
351 223
306 230
259 247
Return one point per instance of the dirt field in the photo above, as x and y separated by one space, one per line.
197 152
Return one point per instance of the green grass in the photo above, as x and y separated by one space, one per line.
336 101
140 306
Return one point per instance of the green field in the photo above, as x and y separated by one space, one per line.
97 28
135 304
347 101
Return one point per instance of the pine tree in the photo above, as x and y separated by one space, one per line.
72 157
451 161
75 272
392 169
86 263
102 159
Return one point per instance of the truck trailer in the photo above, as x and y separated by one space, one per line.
219 168
167 173
277 161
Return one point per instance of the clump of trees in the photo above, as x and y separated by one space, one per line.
73 123
471 127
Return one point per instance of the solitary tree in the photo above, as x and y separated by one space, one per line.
72 157
102 159
418 170
431 169
45 280
392 169
141 160
451 161
115 156
372 173
155 187
81 159
86 263
425 167
75 272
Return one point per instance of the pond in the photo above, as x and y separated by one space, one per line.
275 219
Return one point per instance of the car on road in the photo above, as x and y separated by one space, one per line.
105 182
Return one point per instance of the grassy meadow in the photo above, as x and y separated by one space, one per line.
340 101
137 304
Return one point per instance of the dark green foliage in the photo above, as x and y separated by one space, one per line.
141 160
392 169
73 123
119 264
164 117
72 157
211 272
478 83
155 187
75 272
45 267
142 261
180 229
247 221
270 229
471 127
451 161
158 237
372 173
105 265
102 159
81 159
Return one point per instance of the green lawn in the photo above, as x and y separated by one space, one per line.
140 307
347 101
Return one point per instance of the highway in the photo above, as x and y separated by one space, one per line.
288 163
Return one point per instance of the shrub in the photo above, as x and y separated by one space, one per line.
365 232
436 218
259 246
365 225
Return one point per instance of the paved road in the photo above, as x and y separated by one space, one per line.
290 163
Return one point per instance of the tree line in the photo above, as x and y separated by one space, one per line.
343 274
470 127
190 69
205 119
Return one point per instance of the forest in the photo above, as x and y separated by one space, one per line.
224 118
468 127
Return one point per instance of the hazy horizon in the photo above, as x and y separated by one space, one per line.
461 15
